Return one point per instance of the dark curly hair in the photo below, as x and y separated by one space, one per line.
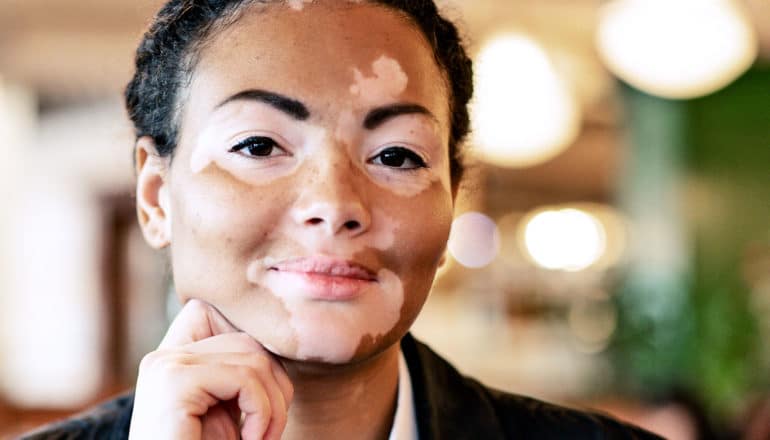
167 54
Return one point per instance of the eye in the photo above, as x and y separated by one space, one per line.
258 146
399 157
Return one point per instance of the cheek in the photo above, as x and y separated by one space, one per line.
217 222
424 222
215 234
419 247
421 239
221 225
427 237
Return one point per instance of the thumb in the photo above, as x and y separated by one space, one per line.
196 321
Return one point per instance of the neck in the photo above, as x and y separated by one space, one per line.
351 401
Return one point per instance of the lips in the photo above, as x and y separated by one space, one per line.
326 267
320 278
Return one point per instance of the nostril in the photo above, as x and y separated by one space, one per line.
352 225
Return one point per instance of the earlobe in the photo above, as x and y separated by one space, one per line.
152 198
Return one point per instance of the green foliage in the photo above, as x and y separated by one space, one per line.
702 334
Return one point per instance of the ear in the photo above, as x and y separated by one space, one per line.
152 202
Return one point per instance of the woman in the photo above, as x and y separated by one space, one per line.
300 161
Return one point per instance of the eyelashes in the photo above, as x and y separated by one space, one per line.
399 158
396 157
258 147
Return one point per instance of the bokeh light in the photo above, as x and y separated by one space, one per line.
676 48
523 113
475 240
592 323
565 239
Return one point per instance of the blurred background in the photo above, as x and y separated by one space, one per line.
612 241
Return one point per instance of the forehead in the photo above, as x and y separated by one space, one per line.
314 52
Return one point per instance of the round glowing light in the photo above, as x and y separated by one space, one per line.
566 239
676 48
523 113
475 240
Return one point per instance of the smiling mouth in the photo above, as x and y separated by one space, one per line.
326 267
322 278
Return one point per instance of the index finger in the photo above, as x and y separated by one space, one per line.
196 321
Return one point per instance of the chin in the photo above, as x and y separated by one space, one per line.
322 343
337 344
333 331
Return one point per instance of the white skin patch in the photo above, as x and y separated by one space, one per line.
388 83
333 331
222 132
236 121
413 183
339 342
211 148
225 129
298 5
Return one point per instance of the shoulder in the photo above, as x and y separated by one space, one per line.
109 420
545 420
450 405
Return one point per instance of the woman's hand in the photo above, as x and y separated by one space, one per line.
207 380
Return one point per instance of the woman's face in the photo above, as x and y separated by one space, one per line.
309 198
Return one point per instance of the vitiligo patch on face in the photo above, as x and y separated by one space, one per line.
207 155
212 146
298 5
200 159
411 188
332 331
388 83
337 337
385 86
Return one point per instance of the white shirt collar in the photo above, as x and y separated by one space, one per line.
405 420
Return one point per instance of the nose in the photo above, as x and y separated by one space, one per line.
331 202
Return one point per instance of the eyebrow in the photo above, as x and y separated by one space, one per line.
380 115
299 111
291 107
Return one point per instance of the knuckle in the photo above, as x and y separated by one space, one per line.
169 368
164 363
163 370
149 361
248 374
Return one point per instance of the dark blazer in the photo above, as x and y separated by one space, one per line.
447 405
